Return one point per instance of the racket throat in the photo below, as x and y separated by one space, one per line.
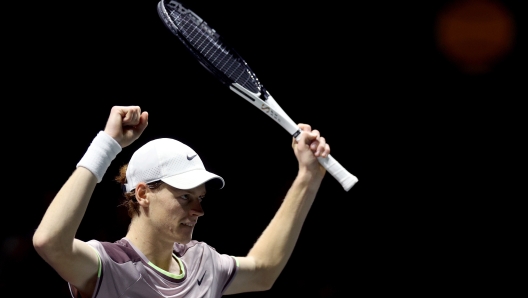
248 95
263 93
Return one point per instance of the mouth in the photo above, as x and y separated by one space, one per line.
188 224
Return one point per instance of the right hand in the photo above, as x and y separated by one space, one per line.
126 124
310 146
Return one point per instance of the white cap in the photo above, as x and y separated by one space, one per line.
170 161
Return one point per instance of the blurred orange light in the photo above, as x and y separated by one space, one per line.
475 34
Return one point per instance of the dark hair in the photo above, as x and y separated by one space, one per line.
129 201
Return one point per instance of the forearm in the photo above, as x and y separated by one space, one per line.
59 225
275 246
63 217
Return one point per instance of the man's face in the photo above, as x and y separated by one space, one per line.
174 212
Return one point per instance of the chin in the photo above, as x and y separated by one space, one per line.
183 240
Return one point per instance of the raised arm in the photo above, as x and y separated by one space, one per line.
54 239
259 270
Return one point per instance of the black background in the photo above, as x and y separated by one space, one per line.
423 137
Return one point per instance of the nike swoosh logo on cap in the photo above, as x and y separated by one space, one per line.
190 157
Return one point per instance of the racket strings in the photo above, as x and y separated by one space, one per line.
217 54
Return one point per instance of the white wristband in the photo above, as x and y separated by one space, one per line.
100 154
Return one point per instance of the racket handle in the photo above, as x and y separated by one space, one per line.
333 167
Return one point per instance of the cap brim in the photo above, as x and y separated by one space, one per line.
192 179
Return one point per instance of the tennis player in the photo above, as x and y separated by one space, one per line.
164 183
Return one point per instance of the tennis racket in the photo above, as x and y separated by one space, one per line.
209 48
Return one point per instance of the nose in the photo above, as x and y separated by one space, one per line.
196 208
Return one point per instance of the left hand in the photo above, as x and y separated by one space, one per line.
310 146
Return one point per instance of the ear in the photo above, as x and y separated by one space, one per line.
141 195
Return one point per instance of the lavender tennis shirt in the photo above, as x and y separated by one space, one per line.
125 272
